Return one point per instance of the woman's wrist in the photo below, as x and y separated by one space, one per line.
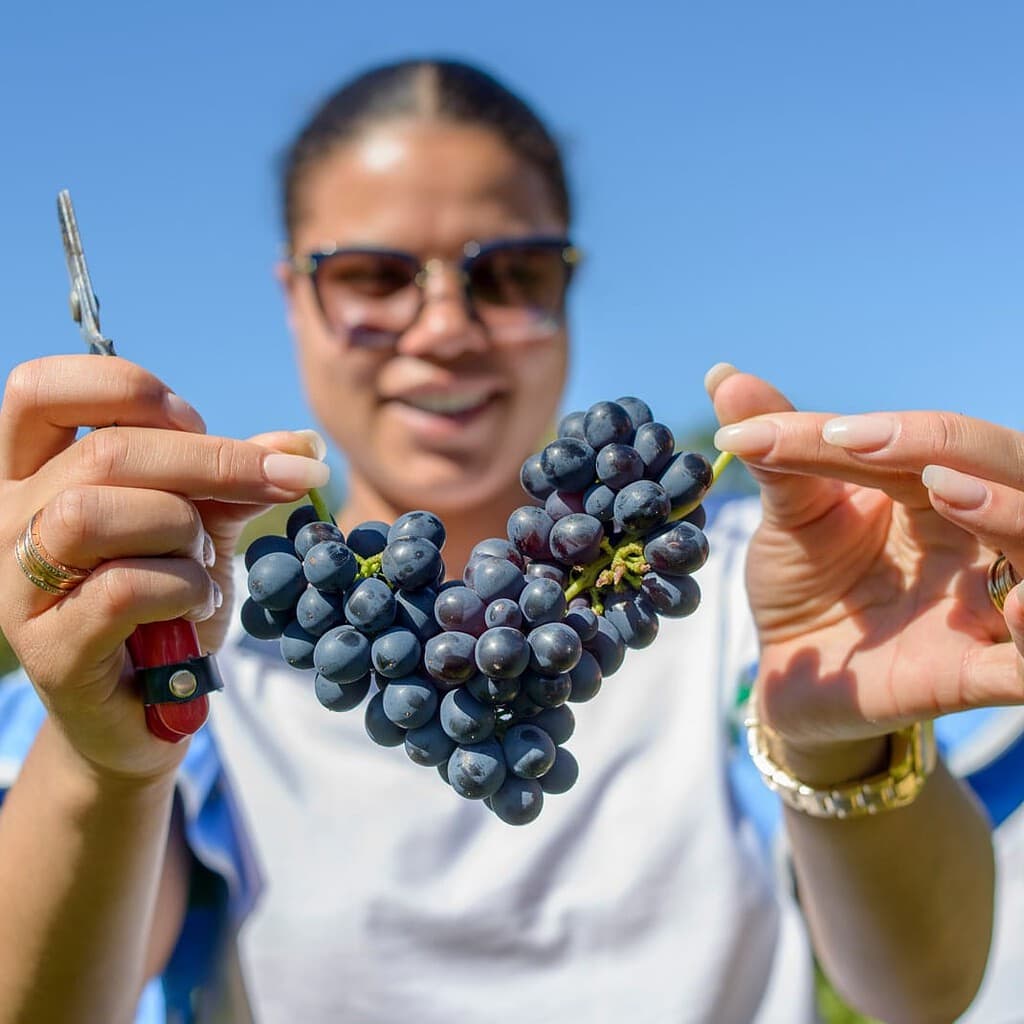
832 764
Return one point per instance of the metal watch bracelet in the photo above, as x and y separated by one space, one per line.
912 758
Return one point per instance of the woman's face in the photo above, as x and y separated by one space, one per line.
444 418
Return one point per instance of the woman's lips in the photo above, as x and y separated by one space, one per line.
444 418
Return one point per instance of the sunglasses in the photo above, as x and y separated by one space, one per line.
515 287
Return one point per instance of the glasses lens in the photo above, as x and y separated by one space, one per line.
367 297
518 290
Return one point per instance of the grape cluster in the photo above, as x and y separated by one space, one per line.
474 676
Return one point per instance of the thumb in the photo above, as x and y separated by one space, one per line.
788 499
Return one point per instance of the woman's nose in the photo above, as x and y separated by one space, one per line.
445 327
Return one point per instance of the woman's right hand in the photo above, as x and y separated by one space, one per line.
149 503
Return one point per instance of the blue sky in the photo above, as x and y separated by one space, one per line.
829 194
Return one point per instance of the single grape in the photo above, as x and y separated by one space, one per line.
498 547
428 744
369 538
559 723
342 655
560 504
395 653
637 409
607 423
699 517
502 652
547 571
460 608
477 770
503 612
264 545
542 601
517 801
654 443
411 563
464 718
418 524
576 539
337 697
568 464
370 606
276 581
673 597
618 465
521 707
298 518
686 478
410 701
533 480
414 609
330 565
528 529
599 502
635 618
554 649
493 691
379 727
562 775
571 425
582 620
585 679
607 647
265 624
678 551
314 533
641 506
547 691
318 611
442 770
297 646
448 657
493 577
529 752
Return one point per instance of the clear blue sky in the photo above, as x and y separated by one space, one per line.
829 194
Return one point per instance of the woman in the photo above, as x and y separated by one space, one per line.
384 895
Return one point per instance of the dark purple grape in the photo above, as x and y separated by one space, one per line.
699 517
428 744
582 620
330 565
641 506
410 701
342 655
618 465
395 653
547 691
686 479
461 609
411 563
654 443
448 657
529 752
559 723
607 423
498 547
264 545
554 649
542 601
562 775
314 533
503 612
607 647
673 597
635 618
563 503
638 410
576 539
502 653
599 502
586 679
464 718
528 529
678 551
369 538
418 524
337 697
517 801
521 707
493 577
477 770
318 611
532 477
265 624
276 581
298 518
568 464
370 606
442 770
493 691
414 609
297 646
571 425
547 571
379 727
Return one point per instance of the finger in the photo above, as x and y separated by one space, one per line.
788 499
993 674
993 512
198 466
47 400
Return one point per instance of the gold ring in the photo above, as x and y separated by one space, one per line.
1002 578
40 567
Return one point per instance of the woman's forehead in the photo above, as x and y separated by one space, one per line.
422 185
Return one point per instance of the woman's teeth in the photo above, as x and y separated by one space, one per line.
449 404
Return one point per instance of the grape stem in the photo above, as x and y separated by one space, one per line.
625 562
323 513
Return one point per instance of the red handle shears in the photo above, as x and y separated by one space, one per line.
174 675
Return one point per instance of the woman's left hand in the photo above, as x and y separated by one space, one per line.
867 583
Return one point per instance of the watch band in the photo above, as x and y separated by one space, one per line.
912 758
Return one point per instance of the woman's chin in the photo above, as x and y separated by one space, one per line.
449 489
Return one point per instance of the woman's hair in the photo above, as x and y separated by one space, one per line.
442 89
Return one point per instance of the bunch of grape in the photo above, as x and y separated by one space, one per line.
474 676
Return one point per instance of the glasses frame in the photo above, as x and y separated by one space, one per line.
307 265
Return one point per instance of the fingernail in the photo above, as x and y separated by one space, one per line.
750 438
317 445
218 595
209 551
182 414
860 433
294 472
956 489
716 375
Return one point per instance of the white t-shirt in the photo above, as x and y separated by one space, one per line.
641 895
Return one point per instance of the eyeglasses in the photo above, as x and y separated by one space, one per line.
515 287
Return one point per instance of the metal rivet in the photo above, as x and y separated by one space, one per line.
183 684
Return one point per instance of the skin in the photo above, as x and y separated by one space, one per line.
144 493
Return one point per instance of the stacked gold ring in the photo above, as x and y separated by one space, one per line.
40 567
1002 578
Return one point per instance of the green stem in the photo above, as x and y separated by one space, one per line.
323 513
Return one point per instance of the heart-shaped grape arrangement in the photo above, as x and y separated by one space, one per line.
474 676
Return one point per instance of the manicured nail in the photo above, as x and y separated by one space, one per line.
317 445
182 414
956 489
209 551
218 595
716 375
294 472
860 433
753 437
